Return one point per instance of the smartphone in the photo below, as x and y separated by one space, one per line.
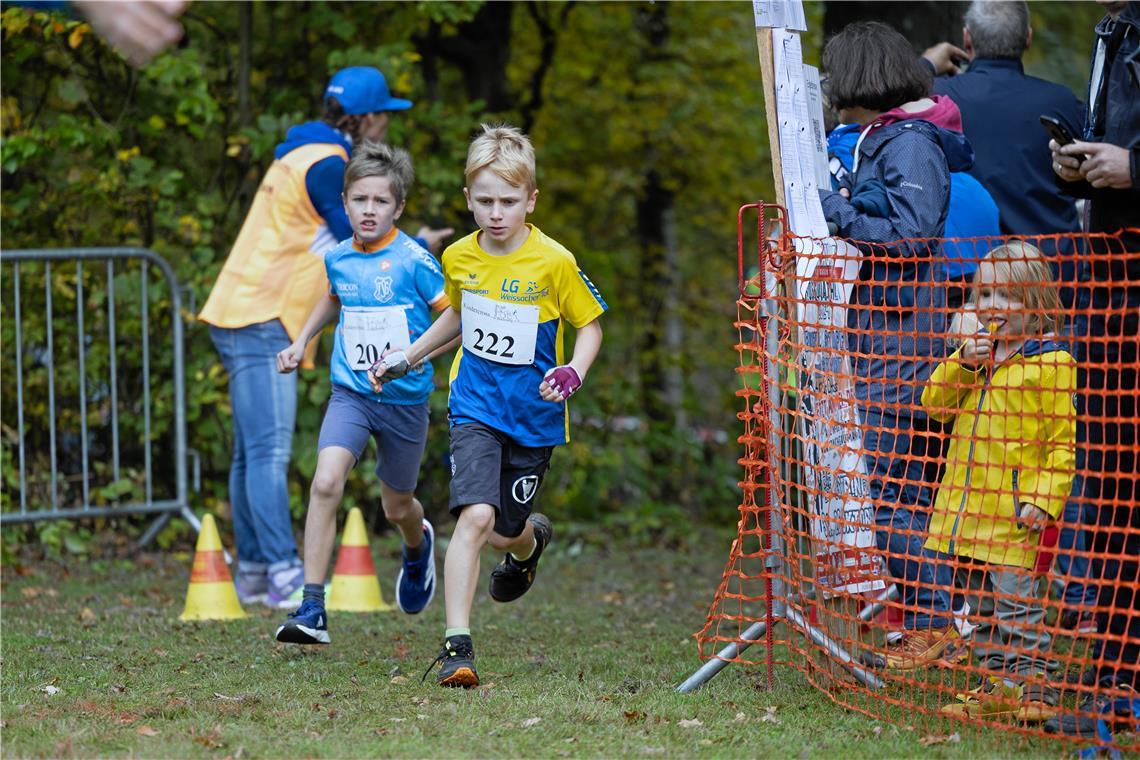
1058 131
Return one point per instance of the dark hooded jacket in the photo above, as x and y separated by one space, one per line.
1108 299
910 155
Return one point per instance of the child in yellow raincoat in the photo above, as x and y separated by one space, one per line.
1009 393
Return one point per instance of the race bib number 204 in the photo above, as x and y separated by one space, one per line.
369 332
505 333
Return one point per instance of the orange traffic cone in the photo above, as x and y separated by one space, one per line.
211 595
355 587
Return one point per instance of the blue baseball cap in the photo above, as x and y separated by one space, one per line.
363 89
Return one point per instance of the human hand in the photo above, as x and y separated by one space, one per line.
1105 165
946 58
1032 518
435 237
560 383
1065 165
977 349
392 365
290 358
140 29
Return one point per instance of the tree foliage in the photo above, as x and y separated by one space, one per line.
649 125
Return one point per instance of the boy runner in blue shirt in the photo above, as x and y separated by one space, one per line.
382 290
511 289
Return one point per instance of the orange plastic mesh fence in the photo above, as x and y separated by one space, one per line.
979 460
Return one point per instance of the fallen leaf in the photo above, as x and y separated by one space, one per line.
531 722
399 679
877 730
50 690
420 701
686 723
740 717
228 699
382 731
632 716
87 617
769 716
147 731
118 688
930 739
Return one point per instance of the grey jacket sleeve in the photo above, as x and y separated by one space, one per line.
913 171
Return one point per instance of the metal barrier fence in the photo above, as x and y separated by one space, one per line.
94 400
889 467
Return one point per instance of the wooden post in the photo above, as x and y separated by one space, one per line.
768 81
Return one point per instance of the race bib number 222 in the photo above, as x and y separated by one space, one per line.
504 333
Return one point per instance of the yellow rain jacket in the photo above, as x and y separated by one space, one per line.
1014 441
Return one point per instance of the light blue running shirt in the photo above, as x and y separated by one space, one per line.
387 296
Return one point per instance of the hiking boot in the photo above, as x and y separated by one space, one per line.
415 585
458 663
1086 677
308 625
286 588
1078 621
1116 712
921 648
512 578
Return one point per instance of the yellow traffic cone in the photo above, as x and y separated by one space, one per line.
211 595
355 587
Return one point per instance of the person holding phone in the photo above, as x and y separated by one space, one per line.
1104 166
1000 107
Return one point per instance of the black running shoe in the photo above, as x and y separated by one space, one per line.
511 578
458 658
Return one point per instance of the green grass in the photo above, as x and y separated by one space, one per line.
584 665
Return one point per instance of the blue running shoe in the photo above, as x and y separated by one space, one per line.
415 585
308 625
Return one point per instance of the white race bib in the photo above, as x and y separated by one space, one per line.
505 333
370 331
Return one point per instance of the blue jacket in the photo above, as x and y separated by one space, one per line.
1000 108
972 212
893 342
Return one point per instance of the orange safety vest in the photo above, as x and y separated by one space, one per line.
276 269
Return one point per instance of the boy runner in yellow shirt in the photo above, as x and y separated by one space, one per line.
511 289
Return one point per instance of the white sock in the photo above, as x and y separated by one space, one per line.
529 554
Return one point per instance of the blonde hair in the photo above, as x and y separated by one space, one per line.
373 159
506 151
1022 269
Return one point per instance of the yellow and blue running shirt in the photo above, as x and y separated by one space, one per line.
513 308
387 292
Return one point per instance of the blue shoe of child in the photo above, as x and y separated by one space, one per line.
308 625
415 585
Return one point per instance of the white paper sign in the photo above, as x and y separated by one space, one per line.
818 131
779 13
504 333
797 146
370 331
835 472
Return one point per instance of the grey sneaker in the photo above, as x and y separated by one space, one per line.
286 588
252 587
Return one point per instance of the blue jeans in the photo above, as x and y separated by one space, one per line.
264 409
1074 567
901 490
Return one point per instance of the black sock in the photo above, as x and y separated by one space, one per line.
314 592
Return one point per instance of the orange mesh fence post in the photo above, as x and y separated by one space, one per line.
940 481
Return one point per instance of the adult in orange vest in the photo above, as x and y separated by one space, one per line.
272 278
